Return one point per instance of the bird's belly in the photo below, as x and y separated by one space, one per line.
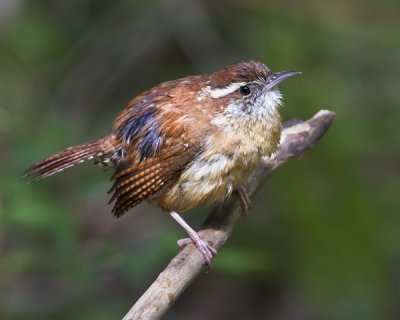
208 179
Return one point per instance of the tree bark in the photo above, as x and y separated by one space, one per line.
297 137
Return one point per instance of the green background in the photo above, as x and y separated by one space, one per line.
322 239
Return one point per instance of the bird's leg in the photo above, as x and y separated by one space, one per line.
244 199
206 250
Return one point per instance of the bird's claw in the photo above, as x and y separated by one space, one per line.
203 246
244 200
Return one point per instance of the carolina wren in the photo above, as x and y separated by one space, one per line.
186 142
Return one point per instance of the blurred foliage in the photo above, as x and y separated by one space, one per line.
322 239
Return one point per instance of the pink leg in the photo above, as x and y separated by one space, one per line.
244 199
206 250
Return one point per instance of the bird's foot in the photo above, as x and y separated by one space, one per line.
244 200
203 246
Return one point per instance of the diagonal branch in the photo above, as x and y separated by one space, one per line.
297 137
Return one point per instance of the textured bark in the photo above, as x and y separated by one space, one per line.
297 137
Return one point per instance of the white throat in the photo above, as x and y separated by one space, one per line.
252 122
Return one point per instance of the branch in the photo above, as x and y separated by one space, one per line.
297 137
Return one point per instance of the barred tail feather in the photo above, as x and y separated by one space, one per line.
69 158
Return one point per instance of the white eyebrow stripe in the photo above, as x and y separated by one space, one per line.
222 92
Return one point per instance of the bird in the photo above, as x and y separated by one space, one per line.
186 142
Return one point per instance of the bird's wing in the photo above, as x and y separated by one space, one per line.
155 150
137 181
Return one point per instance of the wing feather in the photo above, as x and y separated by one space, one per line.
159 136
135 182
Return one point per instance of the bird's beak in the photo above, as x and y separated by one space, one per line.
278 77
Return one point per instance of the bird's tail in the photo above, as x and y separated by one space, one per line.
71 157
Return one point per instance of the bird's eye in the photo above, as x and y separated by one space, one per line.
244 90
